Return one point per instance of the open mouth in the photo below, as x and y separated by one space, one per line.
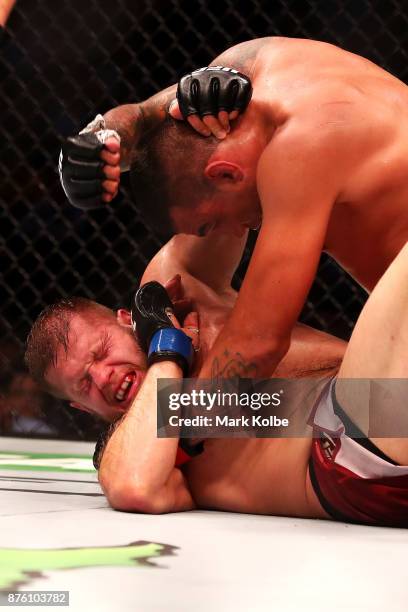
123 391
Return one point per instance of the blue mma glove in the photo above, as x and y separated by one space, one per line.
153 328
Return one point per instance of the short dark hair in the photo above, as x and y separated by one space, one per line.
50 332
167 170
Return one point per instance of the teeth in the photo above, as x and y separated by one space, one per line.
124 388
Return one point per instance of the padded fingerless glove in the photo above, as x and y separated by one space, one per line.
154 330
211 89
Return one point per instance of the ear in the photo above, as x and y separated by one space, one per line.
224 173
123 317
78 406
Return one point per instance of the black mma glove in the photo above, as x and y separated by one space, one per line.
153 328
80 166
209 90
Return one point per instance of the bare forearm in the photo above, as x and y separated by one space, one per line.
133 121
134 453
252 355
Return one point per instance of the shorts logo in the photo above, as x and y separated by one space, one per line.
327 445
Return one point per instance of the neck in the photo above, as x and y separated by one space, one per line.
249 136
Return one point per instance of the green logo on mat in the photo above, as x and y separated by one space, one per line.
19 566
46 462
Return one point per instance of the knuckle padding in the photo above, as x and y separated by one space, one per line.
86 188
81 170
156 334
207 103
149 311
227 96
210 90
87 146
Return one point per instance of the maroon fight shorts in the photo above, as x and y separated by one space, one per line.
353 479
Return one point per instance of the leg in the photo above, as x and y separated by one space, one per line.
378 348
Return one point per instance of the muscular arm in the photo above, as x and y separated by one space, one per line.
296 198
131 121
211 260
137 471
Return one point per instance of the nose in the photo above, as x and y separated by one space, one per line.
100 374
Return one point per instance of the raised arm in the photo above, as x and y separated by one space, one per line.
90 163
131 121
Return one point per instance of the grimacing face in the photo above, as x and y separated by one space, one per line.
104 366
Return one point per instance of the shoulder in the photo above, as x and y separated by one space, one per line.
302 160
242 56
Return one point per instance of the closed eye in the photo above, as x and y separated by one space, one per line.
104 347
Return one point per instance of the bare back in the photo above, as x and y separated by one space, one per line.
313 89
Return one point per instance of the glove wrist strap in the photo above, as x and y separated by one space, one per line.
171 344
98 127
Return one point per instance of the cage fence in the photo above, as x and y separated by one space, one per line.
60 64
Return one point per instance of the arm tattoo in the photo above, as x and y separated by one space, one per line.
231 366
155 109
133 121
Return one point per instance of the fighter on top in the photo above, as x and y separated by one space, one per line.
319 161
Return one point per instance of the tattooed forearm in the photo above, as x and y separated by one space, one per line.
155 109
230 366
127 120
133 121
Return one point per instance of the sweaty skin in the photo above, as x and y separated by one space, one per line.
267 476
320 157
137 470
323 151
245 475
262 476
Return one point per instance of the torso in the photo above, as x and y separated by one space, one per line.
263 476
253 475
358 103
365 109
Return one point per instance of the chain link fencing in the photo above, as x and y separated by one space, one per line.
60 64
